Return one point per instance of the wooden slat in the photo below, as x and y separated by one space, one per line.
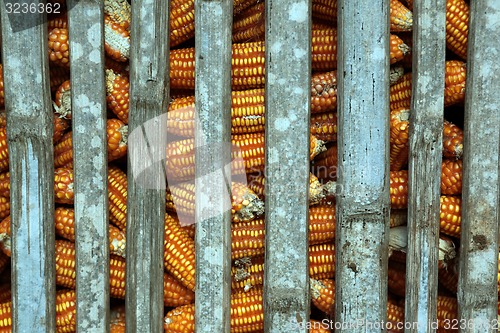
149 96
363 142
30 131
213 155
88 99
477 294
425 141
288 77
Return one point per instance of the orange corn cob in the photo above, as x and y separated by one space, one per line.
322 261
399 125
119 11
116 66
5 184
189 230
395 316
451 177
246 205
399 189
62 102
396 278
64 186
324 166
451 212
117 93
65 227
4 150
447 312
182 18
57 76
454 92
5 243
400 16
117 319
324 92
59 47
247 113
3 118
60 127
398 49
179 254
323 294
247 314
117 193
248 238
4 207
324 126
174 293
398 217
116 40
453 138
257 182
116 138
325 10
247 273
250 24
59 21
448 276
457 26
316 326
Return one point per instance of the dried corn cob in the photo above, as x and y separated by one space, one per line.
316 326
448 275
4 207
454 92
324 126
396 278
250 24
323 294
453 138
324 92
116 40
451 177
246 205
179 254
322 261
247 273
247 113
3 118
399 126
60 127
324 166
5 241
174 293
59 21
59 47
399 189
5 184
116 138
447 312
62 102
117 93
117 319
4 150
63 186
325 10
395 316
457 26
119 11
247 314
65 227
451 212
398 217
117 193
256 182
401 17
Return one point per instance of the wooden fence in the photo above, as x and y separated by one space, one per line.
363 148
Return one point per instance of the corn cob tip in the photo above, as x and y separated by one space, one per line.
316 287
330 188
396 73
316 192
252 208
446 249
319 147
398 239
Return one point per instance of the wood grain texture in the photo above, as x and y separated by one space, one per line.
29 131
424 170
477 292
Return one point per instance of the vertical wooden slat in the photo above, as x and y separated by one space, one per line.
363 145
213 154
426 135
30 131
88 99
477 293
288 75
149 96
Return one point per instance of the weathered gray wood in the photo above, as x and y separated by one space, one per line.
30 131
88 99
213 174
149 97
288 77
426 142
363 142
477 293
